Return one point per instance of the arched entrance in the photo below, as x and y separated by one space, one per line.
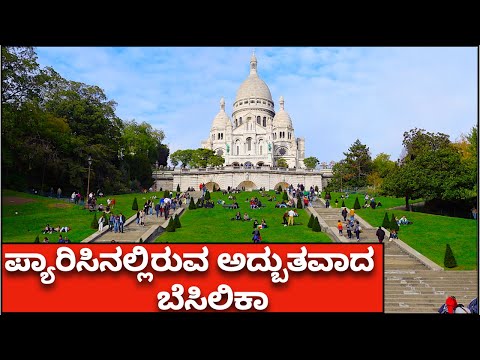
248 185
260 163
210 184
283 184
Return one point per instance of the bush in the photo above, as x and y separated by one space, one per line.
285 196
449 260
177 222
191 205
386 221
37 240
178 187
311 221
299 203
171 226
166 194
343 203
207 195
135 204
94 224
316 226
357 206
393 224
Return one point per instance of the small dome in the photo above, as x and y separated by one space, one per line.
253 86
221 120
282 118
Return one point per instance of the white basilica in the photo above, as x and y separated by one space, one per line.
255 135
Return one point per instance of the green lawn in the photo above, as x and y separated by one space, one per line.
429 235
387 201
34 215
215 225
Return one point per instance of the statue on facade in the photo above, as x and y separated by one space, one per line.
228 148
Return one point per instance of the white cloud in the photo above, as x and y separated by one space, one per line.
334 95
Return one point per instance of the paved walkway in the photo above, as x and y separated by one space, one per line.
134 233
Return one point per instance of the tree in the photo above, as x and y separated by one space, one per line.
183 156
449 259
285 196
386 221
299 203
202 157
191 205
311 162
282 163
207 195
343 203
356 205
359 163
311 221
135 204
37 239
316 225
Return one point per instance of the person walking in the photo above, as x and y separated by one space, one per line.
349 229
344 213
291 214
100 223
340 227
380 234
356 230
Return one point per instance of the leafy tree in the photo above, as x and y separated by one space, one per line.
135 204
282 163
316 225
183 156
386 221
311 162
356 205
162 154
449 259
311 221
359 163
201 157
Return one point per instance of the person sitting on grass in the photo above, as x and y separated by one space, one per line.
264 224
403 221
255 223
393 235
45 240
246 217
238 216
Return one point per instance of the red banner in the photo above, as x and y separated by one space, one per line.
191 277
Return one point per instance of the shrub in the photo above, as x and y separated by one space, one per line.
177 222
449 260
386 221
393 224
357 206
207 195
171 226
135 204
311 221
299 203
316 226
37 240
191 205
178 187
166 194
285 196
343 203
94 224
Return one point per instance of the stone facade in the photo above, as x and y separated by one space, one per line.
256 135
250 179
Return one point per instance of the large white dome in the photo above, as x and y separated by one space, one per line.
253 86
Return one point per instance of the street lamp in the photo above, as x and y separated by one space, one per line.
88 181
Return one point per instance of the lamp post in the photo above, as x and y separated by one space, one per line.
88 181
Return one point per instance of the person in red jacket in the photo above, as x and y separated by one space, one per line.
451 303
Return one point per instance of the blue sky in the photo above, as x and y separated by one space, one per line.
333 95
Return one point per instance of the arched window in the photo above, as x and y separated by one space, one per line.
237 145
264 121
249 144
240 120
259 120
213 137
236 122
